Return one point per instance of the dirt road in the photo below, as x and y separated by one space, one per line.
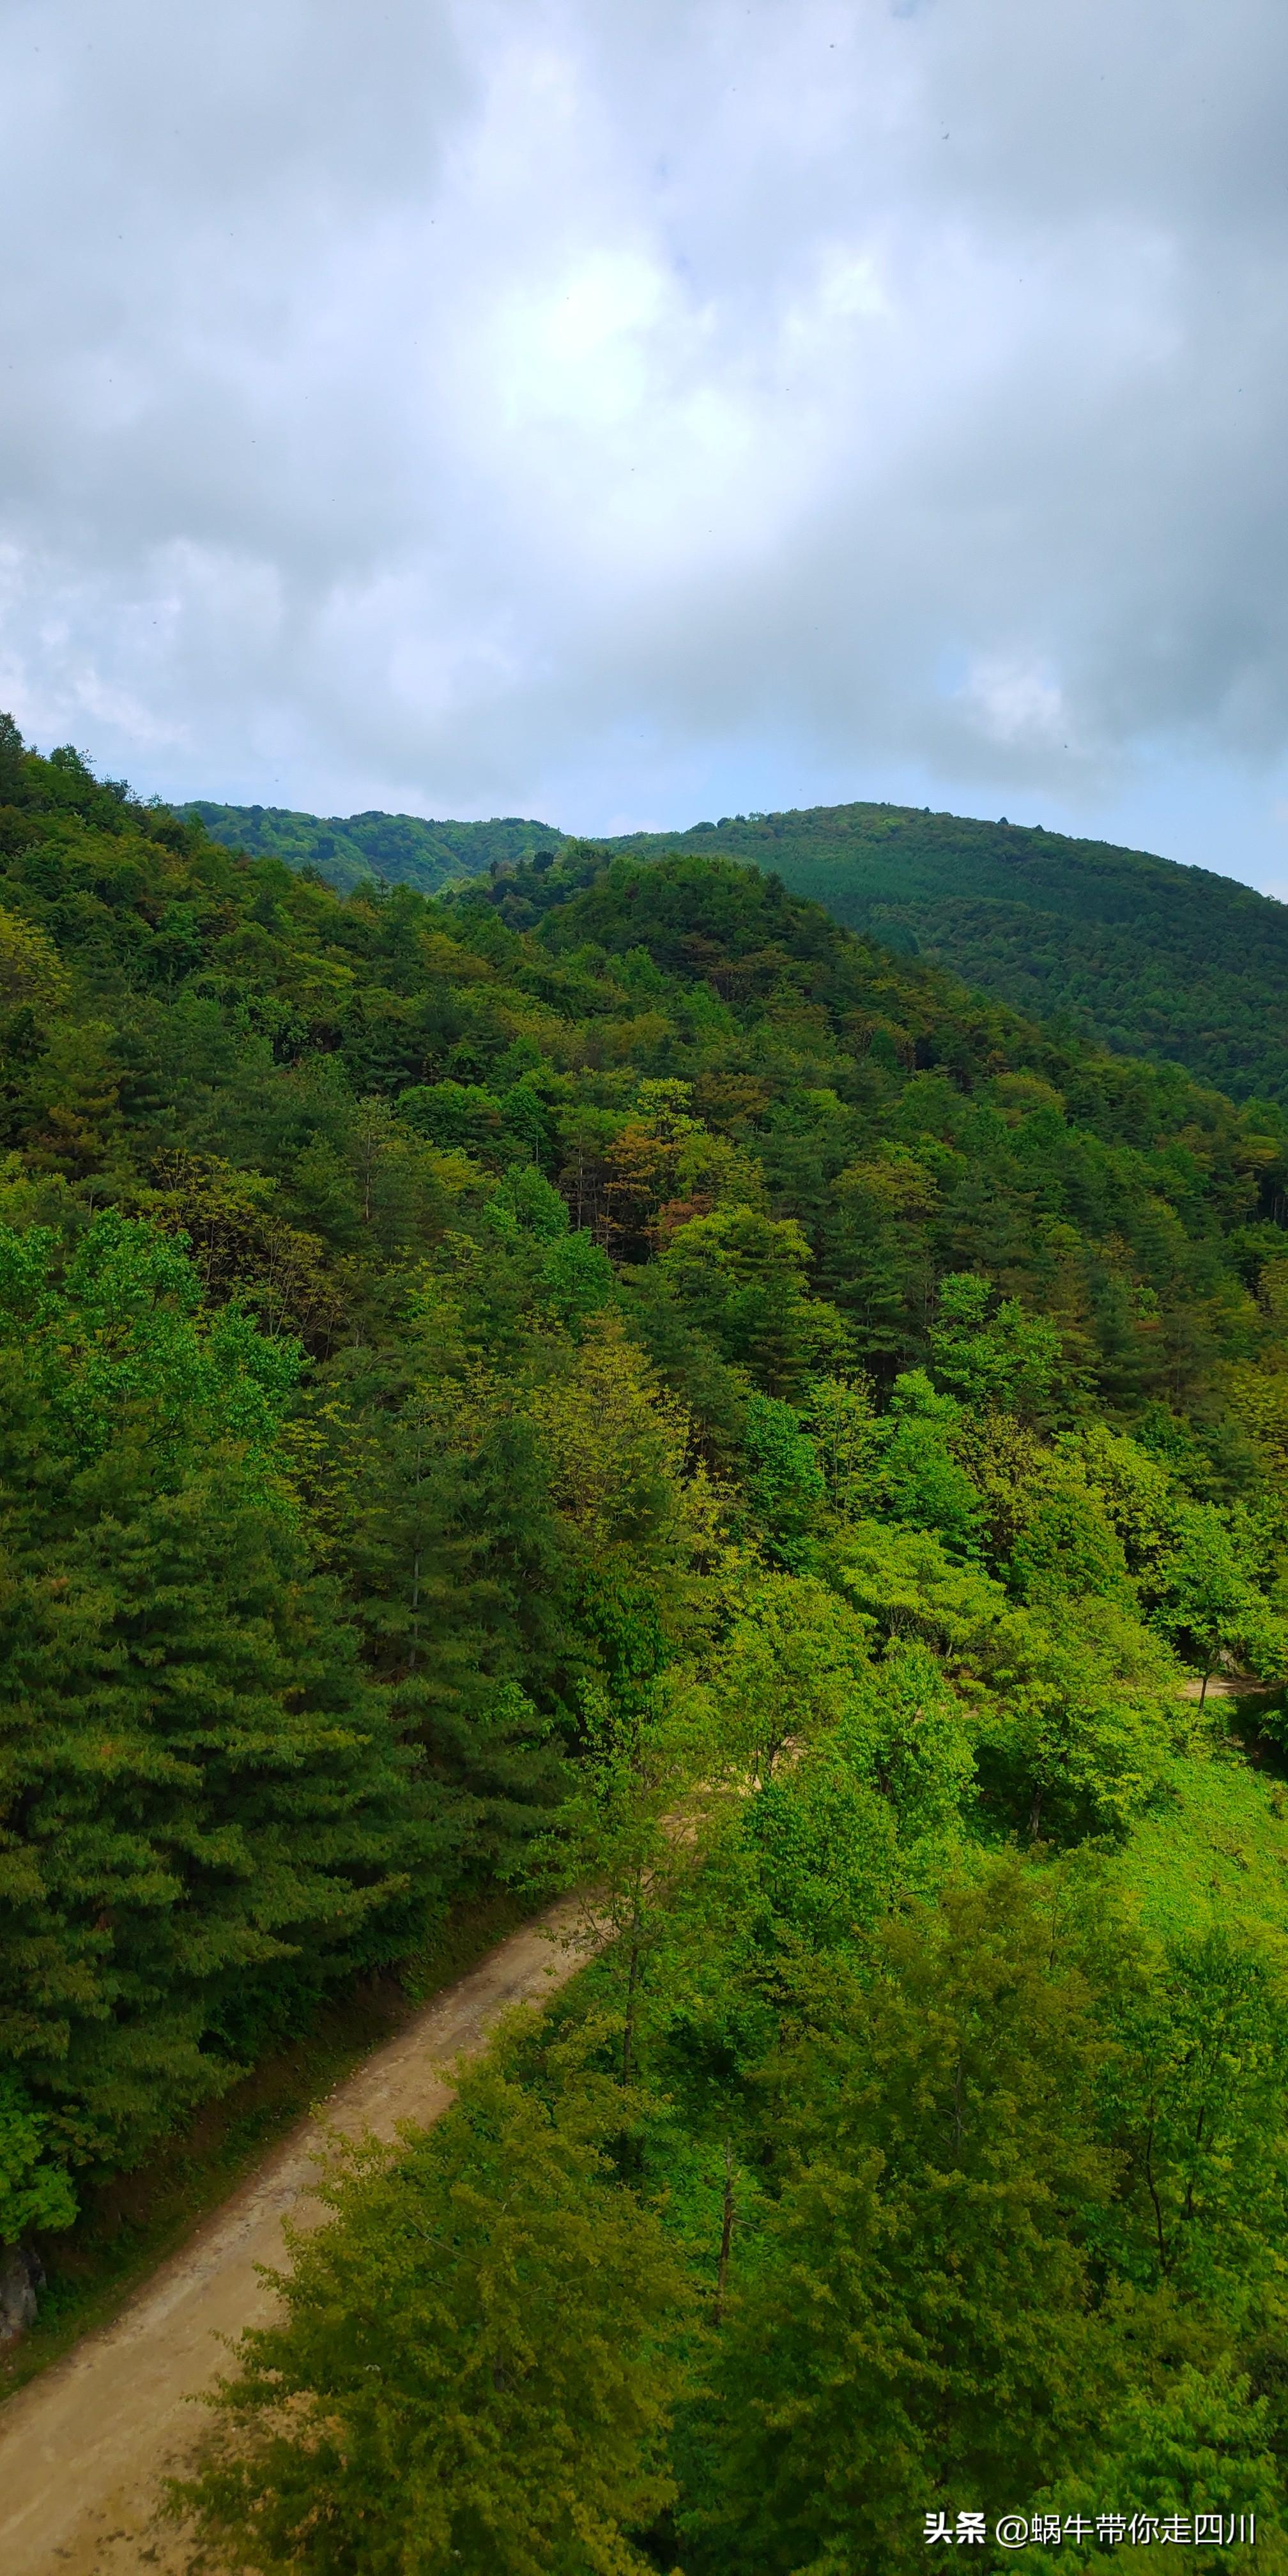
1229 1686
83 2449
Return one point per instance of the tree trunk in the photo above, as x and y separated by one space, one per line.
632 1996
726 2237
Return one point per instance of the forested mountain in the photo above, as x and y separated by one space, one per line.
398 847
1145 956
610 1379
1148 957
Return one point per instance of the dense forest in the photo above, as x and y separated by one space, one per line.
1134 952
400 848
608 1379
1142 955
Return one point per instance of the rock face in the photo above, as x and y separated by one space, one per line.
22 2274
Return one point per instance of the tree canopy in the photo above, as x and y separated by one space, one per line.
604 1377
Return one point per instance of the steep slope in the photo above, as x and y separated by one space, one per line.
480 1375
84 2452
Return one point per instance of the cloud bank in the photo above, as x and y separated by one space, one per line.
628 414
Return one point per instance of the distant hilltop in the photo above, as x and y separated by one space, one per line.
1149 957
402 848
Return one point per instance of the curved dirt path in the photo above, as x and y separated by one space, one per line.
84 2448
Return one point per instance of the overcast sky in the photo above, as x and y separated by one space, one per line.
635 411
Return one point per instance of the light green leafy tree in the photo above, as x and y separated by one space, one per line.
34 2188
1196 2096
916 2321
1212 1602
993 1354
477 2361
783 1671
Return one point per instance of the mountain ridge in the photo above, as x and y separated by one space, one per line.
405 849
1147 955
482 1377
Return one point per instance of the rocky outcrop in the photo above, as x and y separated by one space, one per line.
22 2275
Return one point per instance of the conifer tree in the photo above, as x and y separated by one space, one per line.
208 1818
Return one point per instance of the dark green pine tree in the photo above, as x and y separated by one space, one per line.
207 1815
453 1558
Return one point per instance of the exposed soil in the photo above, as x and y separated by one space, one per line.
1230 1686
83 2449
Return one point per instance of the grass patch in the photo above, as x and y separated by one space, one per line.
129 2226
1215 1850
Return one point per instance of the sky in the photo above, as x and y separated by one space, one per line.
632 412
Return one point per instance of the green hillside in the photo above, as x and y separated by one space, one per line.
606 1379
1144 956
402 848
1149 957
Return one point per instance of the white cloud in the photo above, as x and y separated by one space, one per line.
1015 703
520 404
